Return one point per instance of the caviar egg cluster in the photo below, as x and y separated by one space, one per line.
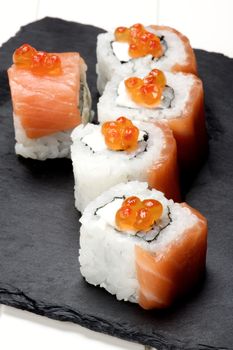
141 42
148 91
120 135
136 215
39 62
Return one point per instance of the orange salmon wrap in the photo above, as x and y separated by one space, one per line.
189 129
47 106
163 175
167 275
190 65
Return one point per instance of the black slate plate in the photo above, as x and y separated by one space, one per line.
39 234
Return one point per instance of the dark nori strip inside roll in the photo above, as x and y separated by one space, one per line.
160 230
145 139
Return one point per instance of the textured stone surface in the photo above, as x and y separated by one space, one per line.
39 232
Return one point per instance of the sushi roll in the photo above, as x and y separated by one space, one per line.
142 247
174 98
120 151
50 98
129 49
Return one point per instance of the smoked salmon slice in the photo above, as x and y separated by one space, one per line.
47 104
164 174
189 129
168 274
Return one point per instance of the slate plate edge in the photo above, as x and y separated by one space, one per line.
11 296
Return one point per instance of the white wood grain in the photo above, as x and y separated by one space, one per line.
103 13
15 14
22 330
207 23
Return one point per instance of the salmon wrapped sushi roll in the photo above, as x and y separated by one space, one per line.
142 247
50 98
130 49
120 151
172 98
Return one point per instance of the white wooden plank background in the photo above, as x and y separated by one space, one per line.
207 23
26 331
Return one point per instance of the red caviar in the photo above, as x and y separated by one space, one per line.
23 55
38 62
141 42
120 135
137 215
155 76
148 91
122 34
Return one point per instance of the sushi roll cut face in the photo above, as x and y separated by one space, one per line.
120 151
50 98
172 98
130 49
142 247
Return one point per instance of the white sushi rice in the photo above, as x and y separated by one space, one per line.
95 172
108 63
107 256
116 101
52 146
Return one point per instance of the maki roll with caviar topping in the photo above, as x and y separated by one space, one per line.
50 98
142 247
120 151
176 99
136 47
